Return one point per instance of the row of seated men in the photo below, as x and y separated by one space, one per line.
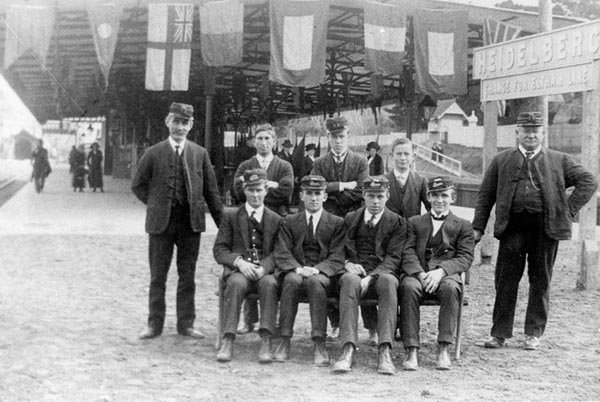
371 253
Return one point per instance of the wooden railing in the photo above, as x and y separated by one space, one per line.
440 160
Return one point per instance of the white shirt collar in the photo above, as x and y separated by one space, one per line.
377 217
342 155
266 160
535 151
316 218
259 211
401 176
437 224
173 144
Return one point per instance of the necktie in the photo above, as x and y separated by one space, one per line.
371 222
177 150
264 164
338 159
528 154
311 229
253 219
438 218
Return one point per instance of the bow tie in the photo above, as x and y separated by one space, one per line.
439 218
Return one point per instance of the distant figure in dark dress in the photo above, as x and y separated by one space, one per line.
375 160
94 161
72 158
78 169
41 166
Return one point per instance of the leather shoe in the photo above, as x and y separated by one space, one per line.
373 338
226 350
191 332
149 333
494 342
532 342
411 360
443 358
321 355
245 328
386 366
344 364
282 353
264 354
334 334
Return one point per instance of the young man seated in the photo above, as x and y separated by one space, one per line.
244 246
439 247
374 242
308 255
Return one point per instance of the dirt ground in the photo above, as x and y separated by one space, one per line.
71 308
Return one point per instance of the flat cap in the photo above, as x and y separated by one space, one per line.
313 182
439 184
376 184
182 109
531 119
310 146
336 124
255 176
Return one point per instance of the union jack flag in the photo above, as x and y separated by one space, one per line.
184 22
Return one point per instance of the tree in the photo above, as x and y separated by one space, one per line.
589 9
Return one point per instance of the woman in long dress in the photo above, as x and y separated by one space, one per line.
79 170
94 161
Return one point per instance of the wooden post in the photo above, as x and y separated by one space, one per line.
490 148
545 19
208 123
589 273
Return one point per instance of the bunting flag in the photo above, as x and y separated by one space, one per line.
221 32
385 35
28 28
494 32
169 50
441 52
298 39
105 20
318 151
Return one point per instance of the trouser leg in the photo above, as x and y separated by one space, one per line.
349 302
411 292
386 287
188 245
267 293
290 295
448 293
236 287
160 253
316 288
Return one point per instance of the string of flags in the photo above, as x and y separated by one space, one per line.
298 32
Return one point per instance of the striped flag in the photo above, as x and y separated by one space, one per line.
385 35
169 50
441 52
298 39
495 31
221 32
105 20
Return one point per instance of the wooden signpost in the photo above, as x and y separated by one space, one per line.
550 63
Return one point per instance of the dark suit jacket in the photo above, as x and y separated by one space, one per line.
389 241
282 155
557 172
414 194
356 169
289 253
455 255
154 181
307 166
233 239
376 166
279 171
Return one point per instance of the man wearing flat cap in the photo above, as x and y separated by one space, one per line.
374 242
174 179
309 253
533 213
439 247
244 246
345 172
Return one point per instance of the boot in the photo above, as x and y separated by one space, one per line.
264 354
226 350
283 350
443 359
386 365
344 364
321 355
411 360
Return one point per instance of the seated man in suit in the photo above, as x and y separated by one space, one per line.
309 252
244 246
374 242
438 248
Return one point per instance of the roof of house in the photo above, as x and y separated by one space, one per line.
448 106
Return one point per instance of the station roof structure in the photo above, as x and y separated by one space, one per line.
70 83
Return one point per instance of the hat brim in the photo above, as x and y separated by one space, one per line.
435 190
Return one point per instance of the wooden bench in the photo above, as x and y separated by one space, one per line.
463 301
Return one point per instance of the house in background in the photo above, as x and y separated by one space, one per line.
448 117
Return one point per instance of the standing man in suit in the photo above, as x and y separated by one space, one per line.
345 172
533 213
310 252
173 178
286 152
280 175
439 247
244 246
375 239
408 189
